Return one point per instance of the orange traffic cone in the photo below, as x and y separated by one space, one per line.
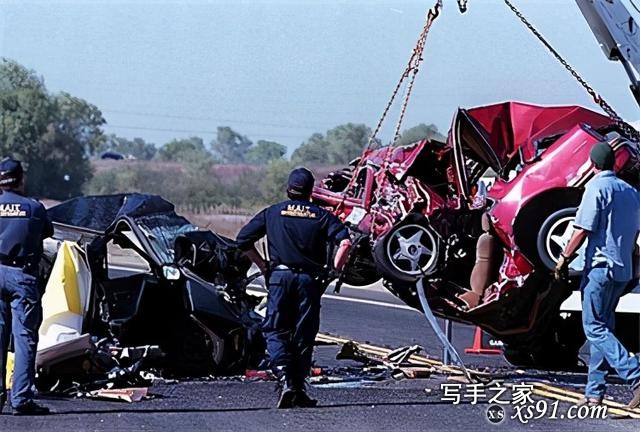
479 345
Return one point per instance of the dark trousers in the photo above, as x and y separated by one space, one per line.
292 322
21 309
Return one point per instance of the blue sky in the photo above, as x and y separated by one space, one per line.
283 69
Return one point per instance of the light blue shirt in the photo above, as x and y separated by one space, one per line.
610 213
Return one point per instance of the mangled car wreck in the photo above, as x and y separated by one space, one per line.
126 271
424 211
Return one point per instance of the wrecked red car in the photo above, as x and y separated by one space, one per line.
424 211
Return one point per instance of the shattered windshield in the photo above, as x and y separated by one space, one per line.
162 230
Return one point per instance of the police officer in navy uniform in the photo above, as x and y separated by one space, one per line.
299 236
23 226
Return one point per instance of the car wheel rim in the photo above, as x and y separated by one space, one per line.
412 249
557 239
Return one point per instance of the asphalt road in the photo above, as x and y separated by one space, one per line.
348 402
391 324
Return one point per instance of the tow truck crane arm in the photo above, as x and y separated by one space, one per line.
617 33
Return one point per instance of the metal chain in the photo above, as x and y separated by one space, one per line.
412 68
629 130
414 65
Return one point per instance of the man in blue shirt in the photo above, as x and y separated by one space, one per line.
298 235
609 219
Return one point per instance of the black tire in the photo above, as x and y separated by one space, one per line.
360 276
558 349
392 257
551 356
530 219
517 357
549 250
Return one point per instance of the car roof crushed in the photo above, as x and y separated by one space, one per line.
98 213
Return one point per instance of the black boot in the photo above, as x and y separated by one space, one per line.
287 390
30 409
287 395
302 399
3 399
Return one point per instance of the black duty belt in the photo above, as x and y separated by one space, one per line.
15 262
283 267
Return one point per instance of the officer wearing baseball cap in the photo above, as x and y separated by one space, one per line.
608 218
23 226
298 233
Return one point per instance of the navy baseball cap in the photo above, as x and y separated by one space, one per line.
300 181
602 156
10 172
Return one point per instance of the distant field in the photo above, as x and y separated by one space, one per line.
228 172
227 225
222 171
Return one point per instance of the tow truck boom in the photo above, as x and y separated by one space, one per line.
618 34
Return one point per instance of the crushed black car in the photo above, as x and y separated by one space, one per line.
128 270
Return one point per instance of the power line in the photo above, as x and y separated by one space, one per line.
221 120
193 131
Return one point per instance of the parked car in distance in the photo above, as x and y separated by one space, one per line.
112 155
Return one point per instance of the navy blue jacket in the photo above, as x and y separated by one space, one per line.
23 226
298 233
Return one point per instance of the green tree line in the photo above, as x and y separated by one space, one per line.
59 137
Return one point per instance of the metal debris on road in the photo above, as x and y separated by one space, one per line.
395 364
402 355
125 395
351 351
84 365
